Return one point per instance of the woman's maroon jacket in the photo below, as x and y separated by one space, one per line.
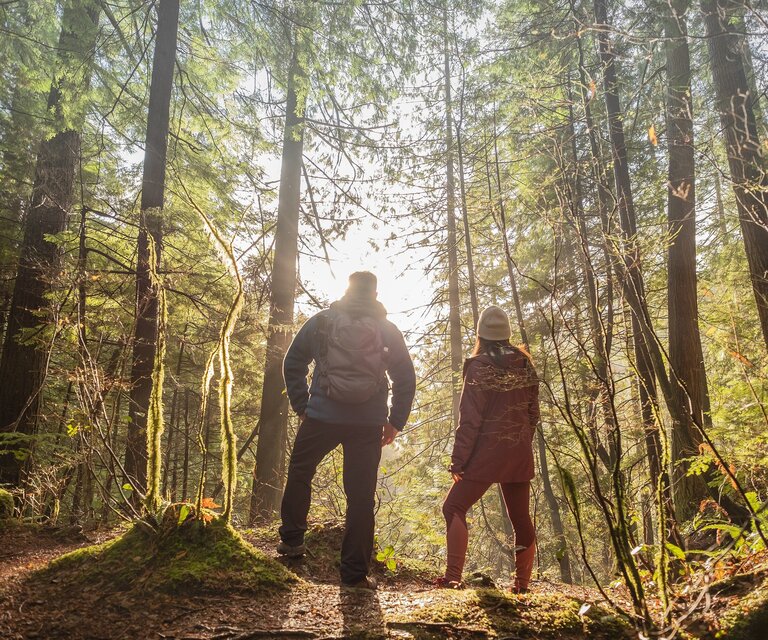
498 414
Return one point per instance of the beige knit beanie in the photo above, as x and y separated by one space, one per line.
493 324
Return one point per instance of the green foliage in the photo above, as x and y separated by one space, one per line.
387 557
6 505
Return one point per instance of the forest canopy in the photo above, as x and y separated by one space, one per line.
183 184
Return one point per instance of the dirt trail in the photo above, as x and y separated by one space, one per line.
315 608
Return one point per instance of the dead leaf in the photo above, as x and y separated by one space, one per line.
652 135
740 358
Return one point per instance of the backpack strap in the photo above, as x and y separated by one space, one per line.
321 333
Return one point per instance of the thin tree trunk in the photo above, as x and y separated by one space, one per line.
150 231
185 465
22 366
471 283
604 198
505 241
602 394
82 348
747 166
454 303
270 450
686 358
563 559
171 446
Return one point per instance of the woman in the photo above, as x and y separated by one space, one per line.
498 414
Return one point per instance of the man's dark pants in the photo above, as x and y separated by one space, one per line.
362 453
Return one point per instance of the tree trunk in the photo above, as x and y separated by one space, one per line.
563 558
185 463
270 450
649 356
22 367
686 358
471 283
454 303
628 263
150 231
505 241
603 392
747 167
171 445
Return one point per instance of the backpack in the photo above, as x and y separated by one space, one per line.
352 359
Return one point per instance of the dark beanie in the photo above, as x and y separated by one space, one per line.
362 284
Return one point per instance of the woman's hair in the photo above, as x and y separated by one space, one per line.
495 349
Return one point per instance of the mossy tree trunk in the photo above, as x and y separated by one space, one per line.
148 307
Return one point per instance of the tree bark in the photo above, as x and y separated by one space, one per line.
271 447
686 358
22 367
747 166
150 231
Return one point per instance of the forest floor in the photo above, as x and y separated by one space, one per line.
37 603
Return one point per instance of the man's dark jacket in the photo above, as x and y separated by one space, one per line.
311 400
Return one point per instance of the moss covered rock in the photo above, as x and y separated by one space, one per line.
490 611
6 505
193 556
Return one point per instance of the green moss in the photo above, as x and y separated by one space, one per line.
748 618
195 557
450 606
6 505
549 616
534 616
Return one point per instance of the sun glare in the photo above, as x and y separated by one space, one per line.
404 289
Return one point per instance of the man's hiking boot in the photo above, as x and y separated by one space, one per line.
290 551
444 583
518 590
368 582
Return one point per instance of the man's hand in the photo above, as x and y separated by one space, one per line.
302 417
456 477
388 434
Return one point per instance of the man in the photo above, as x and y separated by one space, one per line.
355 349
